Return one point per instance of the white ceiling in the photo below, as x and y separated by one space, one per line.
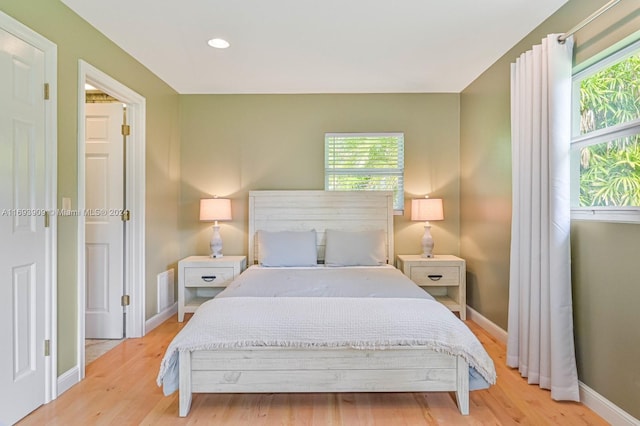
321 46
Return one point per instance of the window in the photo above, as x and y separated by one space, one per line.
605 142
365 162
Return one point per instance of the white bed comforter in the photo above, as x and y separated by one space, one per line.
307 322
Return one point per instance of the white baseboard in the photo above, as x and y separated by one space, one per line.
590 398
161 317
605 408
488 325
68 379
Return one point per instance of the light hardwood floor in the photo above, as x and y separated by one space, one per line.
120 388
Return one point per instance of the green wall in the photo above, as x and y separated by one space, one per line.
232 144
605 286
76 40
606 292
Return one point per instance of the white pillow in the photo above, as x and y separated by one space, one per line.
287 248
360 248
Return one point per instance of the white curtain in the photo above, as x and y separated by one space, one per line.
540 342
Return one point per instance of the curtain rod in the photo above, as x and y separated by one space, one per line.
585 22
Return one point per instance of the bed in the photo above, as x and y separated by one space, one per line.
321 309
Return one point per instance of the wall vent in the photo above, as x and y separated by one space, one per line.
166 290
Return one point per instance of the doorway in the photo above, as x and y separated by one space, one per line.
133 192
105 222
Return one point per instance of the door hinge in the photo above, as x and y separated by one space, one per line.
126 130
126 216
46 91
47 219
47 347
125 300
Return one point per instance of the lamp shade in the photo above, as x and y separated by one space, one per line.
426 209
215 209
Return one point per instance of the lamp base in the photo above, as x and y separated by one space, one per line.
216 243
427 242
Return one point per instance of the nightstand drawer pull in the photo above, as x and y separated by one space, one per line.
208 278
435 277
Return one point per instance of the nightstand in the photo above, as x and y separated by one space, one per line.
201 277
442 276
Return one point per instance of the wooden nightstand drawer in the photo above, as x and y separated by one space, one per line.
435 275
207 277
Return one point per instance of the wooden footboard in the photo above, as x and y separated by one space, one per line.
284 370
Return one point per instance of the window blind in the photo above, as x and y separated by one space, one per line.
365 162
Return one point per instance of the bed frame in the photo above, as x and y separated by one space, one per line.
269 370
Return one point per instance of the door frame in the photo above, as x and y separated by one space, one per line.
135 187
50 50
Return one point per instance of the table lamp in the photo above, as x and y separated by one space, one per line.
427 209
215 209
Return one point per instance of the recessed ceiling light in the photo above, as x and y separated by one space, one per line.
218 43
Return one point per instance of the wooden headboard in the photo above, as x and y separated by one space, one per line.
320 210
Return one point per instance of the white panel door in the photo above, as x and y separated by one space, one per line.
22 231
104 176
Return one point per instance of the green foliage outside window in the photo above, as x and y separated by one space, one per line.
610 171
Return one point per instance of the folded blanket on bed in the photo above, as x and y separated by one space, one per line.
307 322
